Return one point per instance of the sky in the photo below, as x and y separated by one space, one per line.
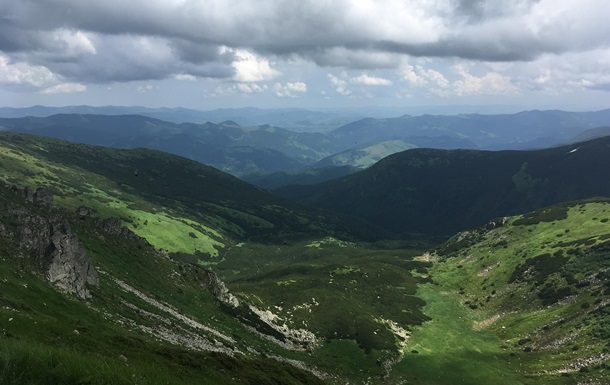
208 54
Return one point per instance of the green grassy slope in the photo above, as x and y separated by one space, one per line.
365 156
183 196
540 283
149 321
523 300
198 216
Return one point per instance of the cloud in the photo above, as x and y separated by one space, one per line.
290 90
250 67
65 88
25 74
249 88
147 88
363 34
339 84
432 80
245 48
366 80
240 88
186 77
490 83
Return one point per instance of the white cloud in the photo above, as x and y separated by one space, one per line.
249 88
340 85
366 80
418 76
147 88
25 74
186 77
542 47
409 74
72 43
290 90
492 83
240 88
252 68
434 82
65 88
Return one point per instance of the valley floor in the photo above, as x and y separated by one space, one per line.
449 350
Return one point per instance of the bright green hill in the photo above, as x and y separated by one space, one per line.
540 282
365 156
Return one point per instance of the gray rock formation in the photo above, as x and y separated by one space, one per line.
208 280
43 236
219 290
67 266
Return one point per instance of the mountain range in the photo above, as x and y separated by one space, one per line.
244 150
430 267
439 192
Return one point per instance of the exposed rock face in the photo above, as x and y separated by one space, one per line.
114 226
40 196
46 238
220 291
208 280
84 211
67 265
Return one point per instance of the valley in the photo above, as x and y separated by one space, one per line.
203 278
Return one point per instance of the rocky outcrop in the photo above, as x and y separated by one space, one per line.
67 266
44 237
40 196
108 226
114 226
262 322
219 290
209 281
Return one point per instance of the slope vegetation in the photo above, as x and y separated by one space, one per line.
201 278
439 192
539 282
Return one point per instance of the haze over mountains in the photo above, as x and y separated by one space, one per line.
242 150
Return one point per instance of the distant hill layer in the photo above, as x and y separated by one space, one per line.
227 146
297 119
524 130
439 192
597 132
262 149
306 176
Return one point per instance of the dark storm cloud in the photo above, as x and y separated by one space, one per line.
112 40
477 10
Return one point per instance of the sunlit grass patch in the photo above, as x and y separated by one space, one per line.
448 350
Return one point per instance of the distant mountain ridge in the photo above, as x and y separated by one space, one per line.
439 192
296 119
268 148
524 130
227 146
